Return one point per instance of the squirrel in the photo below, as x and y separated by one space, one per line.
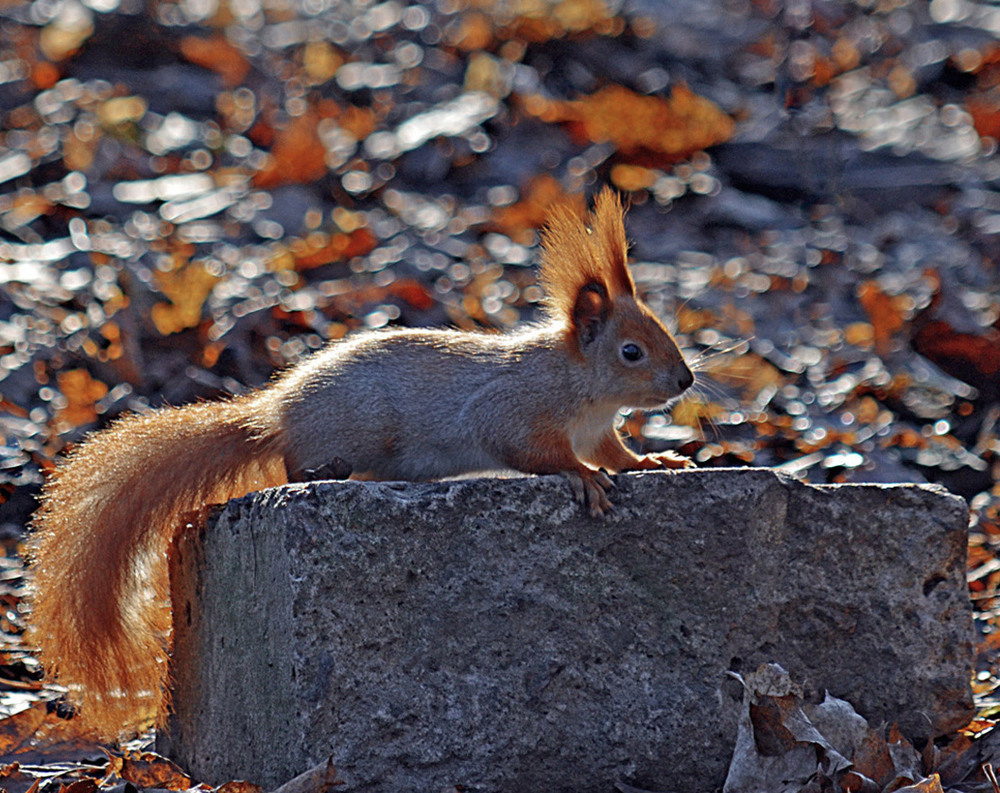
406 404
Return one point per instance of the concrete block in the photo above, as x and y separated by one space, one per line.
487 633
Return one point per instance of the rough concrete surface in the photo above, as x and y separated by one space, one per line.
488 633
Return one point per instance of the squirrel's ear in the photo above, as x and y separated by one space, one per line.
590 311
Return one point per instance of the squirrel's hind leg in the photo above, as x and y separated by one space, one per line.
337 468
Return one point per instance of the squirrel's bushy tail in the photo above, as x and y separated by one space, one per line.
101 613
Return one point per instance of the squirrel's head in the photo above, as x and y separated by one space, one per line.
631 355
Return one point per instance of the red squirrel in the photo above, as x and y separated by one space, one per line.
399 404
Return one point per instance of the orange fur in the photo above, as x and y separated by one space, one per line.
575 256
549 451
612 454
101 612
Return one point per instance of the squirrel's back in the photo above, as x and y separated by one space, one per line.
419 403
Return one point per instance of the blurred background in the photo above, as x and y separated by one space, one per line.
194 194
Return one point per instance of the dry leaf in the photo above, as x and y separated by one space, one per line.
187 286
777 745
886 313
319 249
873 760
80 786
518 221
82 392
535 21
218 54
973 359
650 129
239 786
297 156
38 732
931 784
148 769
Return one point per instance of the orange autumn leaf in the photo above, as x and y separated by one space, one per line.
85 785
533 21
886 313
239 786
985 113
38 727
44 75
186 286
474 31
974 359
150 770
872 758
218 54
654 129
413 293
519 220
907 439
632 178
359 121
16 731
354 300
81 392
321 249
297 157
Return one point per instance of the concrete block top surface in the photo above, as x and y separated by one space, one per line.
487 633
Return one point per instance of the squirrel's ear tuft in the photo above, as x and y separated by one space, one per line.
579 255
609 230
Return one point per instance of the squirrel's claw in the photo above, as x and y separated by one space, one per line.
576 485
591 490
604 480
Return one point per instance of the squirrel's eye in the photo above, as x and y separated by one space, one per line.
632 352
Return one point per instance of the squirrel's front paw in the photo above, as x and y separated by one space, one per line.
670 460
591 488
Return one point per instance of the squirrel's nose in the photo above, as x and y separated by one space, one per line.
686 380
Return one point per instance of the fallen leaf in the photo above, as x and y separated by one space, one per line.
187 286
931 784
239 786
777 745
148 769
535 21
970 358
872 759
79 786
652 130
218 54
519 220
320 249
81 392
38 732
297 156
886 313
